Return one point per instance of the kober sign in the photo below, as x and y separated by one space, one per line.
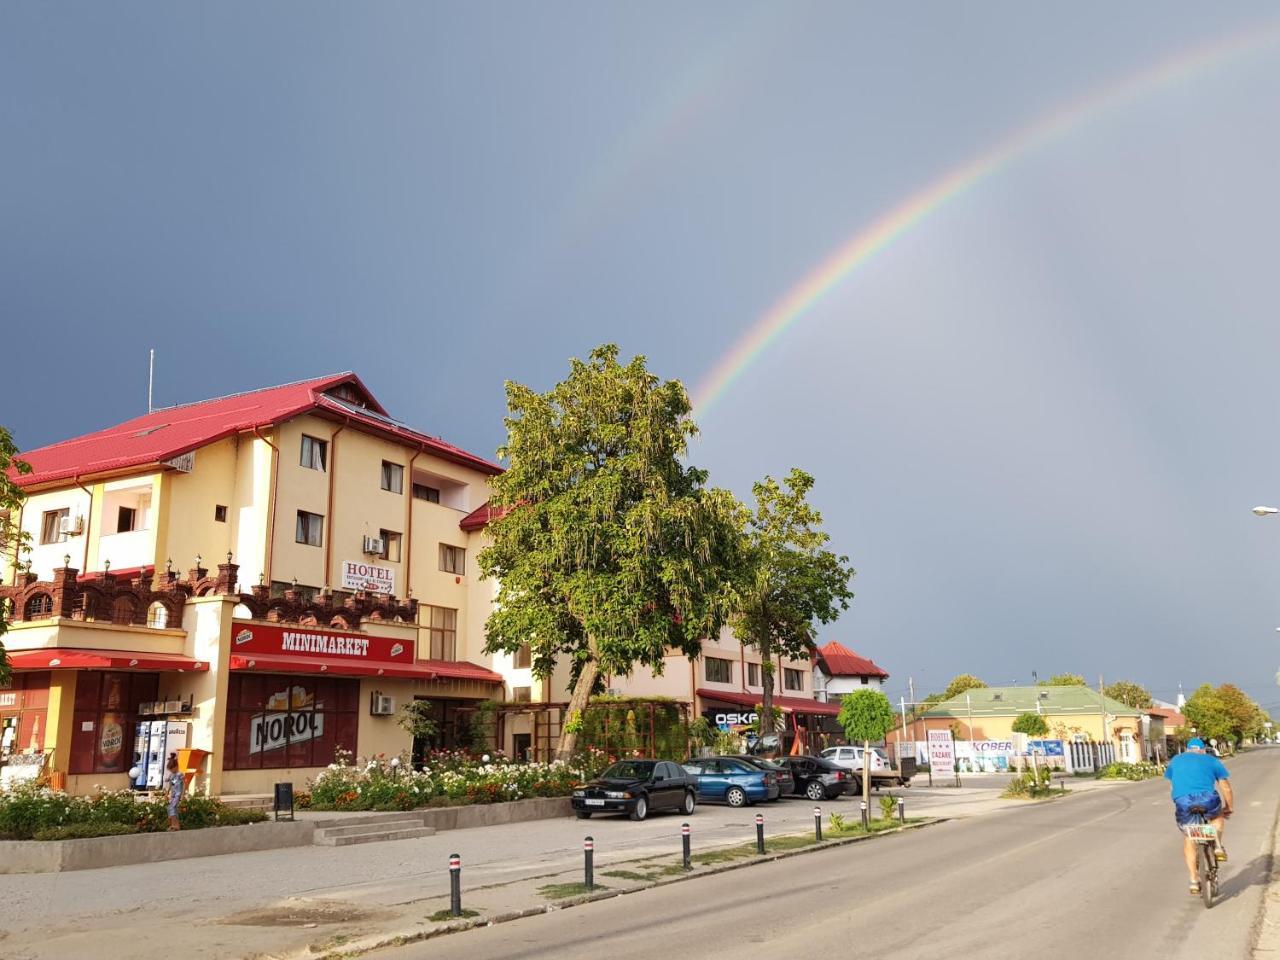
299 642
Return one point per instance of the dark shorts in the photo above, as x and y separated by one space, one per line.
1211 802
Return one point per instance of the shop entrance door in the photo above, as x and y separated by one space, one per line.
452 727
521 744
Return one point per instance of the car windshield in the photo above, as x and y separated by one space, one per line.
629 770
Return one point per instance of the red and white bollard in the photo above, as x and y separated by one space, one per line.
588 857
760 833
684 843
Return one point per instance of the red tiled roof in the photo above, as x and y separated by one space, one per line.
164 434
461 670
480 517
787 704
839 661
1170 715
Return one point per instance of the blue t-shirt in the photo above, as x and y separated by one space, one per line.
1193 773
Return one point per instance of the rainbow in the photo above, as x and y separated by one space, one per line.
919 206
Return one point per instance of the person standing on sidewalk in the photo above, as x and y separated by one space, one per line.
173 787
1202 782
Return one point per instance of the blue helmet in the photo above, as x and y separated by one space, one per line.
1195 743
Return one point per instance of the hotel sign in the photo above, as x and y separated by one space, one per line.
942 751
358 575
301 642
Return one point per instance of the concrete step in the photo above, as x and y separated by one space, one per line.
380 826
346 840
249 801
324 822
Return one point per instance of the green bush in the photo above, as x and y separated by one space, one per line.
237 816
85 831
1128 771
888 806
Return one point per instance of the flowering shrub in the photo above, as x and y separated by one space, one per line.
447 776
29 810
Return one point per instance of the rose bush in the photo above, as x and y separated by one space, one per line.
446 777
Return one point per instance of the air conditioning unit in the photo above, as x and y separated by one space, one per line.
381 705
71 526
375 546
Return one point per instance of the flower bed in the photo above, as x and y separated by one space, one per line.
1120 770
446 778
29 811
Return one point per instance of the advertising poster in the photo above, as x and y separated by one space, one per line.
942 751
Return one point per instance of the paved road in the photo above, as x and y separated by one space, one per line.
1098 875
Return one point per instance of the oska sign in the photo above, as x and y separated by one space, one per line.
304 642
730 718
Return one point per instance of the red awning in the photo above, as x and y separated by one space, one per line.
461 670
788 704
63 658
333 666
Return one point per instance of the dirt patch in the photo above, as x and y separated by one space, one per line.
304 914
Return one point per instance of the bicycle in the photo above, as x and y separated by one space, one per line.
1205 835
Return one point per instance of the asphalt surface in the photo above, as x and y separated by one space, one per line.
1095 875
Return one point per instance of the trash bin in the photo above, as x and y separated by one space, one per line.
284 800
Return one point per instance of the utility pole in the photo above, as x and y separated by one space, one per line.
911 690
1102 711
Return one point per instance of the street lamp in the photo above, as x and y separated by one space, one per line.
1266 511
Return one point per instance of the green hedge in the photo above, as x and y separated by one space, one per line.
621 727
85 831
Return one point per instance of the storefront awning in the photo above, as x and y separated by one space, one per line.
333 666
63 658
462 670
788 704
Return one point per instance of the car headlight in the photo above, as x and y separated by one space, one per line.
617 795
579 793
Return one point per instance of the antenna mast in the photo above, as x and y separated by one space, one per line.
151 379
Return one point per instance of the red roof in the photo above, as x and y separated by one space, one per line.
1169 714
788 704
155 437
839 661
479 518
65 658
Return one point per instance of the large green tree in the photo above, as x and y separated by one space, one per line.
958 685
609 548
1130 694
1030 723
12 539
789 580
866 715
1064 680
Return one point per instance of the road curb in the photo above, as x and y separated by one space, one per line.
1266 926
357 948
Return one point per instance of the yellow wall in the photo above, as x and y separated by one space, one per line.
188 527
45 558
94 635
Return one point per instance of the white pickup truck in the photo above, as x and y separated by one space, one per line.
882 772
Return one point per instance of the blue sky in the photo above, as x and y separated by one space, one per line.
1037 421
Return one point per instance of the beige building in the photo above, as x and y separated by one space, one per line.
344 547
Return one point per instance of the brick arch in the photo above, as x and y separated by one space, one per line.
124 609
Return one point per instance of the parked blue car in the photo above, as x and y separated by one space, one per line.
734 781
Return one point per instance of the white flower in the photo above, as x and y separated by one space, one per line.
485 758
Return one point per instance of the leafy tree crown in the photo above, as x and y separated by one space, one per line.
866 715
1032 724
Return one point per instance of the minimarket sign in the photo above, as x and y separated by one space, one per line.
299 642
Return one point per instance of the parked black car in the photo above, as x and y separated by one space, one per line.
818 778
636 787
786 781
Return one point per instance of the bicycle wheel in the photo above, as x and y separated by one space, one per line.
1208 874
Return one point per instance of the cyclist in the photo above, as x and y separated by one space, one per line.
1199 780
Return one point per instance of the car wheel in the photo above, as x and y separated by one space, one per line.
815 791
641 809
857 786
736 797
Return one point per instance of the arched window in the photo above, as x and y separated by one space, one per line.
122 610
242 612
41 605
158 616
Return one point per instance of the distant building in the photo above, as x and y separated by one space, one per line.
837 670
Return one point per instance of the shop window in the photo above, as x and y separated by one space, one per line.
442 633
753 674
390 545
51 526
718 670
523 657
314 453
310 528
103 725
392 477
453 559
220 513
423 492
792 679
278 722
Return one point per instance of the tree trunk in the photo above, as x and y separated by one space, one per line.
866 776
568 744
766 686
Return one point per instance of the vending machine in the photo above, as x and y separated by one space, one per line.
155 755
177 735
141 742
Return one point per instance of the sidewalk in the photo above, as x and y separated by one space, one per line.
273 903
